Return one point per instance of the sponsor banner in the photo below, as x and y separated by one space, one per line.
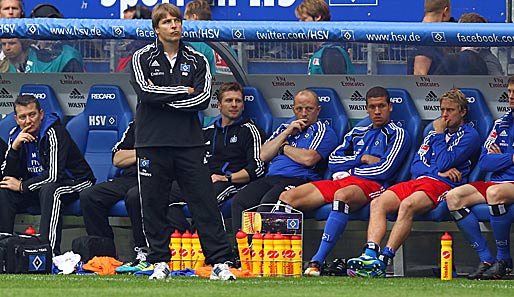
434 34
72 90
280 10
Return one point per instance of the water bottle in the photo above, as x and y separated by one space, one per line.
446 257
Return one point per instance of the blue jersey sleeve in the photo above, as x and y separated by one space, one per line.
343 157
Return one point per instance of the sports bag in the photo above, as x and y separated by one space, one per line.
90 246
24 254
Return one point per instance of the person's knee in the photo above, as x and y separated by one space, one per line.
497 195
132 198
453 199
287 196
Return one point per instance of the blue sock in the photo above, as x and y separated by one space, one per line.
372 249
500 222
334 227
389 252
471 230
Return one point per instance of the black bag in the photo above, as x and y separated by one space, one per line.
90 246
24 254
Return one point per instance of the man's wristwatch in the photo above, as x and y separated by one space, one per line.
229 177
281 149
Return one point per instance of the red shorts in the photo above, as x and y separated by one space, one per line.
434 188
482 186
329 187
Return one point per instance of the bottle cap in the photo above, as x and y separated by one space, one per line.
195 235
176 234
30 230
241 234
446 236
187 234
257 235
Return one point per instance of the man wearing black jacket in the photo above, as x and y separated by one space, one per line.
173 82
232 146
43 166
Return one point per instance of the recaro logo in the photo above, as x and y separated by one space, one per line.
324 98
471 99
39 96
397 100
249 98
103 96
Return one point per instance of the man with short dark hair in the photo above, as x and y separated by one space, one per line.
43 166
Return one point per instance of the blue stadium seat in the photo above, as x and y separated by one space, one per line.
257 109
47 100
332 111
101 124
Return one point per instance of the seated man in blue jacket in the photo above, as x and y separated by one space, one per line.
442 162
366 161
498 158
43 166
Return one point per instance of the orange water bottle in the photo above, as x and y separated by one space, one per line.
257 254
244 250
296 254
196 252
446 257
185 251
268 263
175 246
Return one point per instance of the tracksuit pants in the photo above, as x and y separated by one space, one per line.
158 167
50 197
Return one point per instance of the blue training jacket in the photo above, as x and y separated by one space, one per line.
389 143
443 151
318 136
500 164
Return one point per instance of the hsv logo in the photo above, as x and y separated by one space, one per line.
396 100
438 37
238 33
103 96
118 31
347 35
39 96
102 120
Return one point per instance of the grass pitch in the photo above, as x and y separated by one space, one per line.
121 285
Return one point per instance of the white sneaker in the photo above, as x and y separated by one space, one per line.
161 271
222 272
142 253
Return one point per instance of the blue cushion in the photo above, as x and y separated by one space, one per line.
257 109
102 123
332 111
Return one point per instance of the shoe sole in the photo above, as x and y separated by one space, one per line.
312 273
214 277
358 264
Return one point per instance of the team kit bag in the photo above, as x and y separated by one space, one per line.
90 246
24 254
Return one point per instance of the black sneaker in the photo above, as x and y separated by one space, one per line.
482 267
498 270
336 268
